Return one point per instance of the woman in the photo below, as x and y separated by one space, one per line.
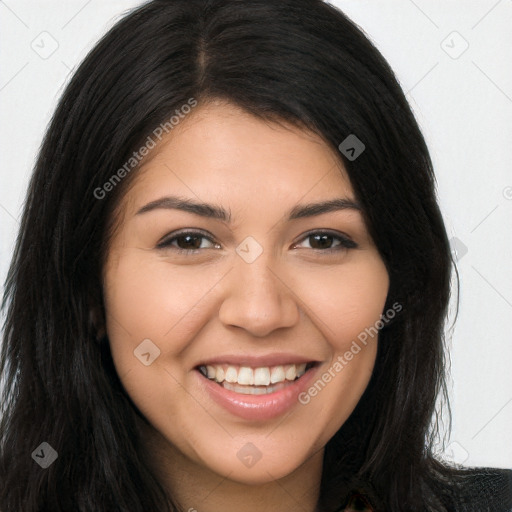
231 279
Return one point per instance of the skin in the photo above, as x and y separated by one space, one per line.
295 297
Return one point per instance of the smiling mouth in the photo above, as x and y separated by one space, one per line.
255 380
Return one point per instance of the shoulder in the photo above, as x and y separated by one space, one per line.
475 489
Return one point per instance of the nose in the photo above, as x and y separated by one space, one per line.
258 299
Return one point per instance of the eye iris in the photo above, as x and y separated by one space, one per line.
188 238
325 241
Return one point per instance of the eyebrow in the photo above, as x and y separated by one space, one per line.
217 212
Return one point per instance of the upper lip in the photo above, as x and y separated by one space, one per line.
257 361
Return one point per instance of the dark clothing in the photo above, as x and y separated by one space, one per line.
470 490
479 490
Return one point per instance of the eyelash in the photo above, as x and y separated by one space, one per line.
345 242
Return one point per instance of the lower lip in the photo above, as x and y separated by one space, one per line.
258 407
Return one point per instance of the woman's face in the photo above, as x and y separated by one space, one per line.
261 287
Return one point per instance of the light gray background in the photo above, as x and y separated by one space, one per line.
462 98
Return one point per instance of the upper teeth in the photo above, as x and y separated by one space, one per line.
262 376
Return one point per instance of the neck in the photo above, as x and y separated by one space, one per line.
198 489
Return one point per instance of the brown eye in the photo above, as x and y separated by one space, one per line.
321 241
326 241
187 241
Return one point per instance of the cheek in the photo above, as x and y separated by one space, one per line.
349 299
149 298
347 309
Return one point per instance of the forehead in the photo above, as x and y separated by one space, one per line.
220 152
